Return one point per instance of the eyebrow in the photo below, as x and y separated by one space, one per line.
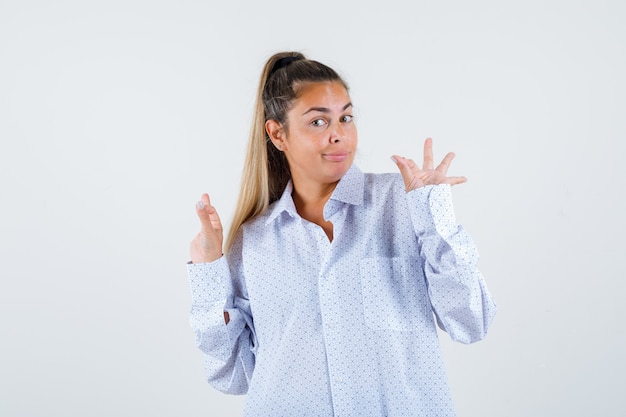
325 109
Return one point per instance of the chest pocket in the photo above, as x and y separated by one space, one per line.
395 296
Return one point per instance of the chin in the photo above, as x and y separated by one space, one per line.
340 170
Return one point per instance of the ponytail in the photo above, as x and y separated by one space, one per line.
266 171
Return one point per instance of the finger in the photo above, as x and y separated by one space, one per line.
455 180
406 166
207 214
398 160
404 163
202 204
408 170
445 163
428 154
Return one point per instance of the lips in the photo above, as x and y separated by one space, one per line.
336 156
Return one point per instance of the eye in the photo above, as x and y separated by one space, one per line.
318 122
347 118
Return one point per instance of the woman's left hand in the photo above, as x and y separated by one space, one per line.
414 177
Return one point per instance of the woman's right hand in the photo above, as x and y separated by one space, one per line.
207 245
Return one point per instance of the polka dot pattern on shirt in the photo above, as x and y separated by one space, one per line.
344 328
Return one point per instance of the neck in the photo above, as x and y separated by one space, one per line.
310 199
312 194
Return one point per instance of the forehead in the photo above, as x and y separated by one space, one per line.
328 94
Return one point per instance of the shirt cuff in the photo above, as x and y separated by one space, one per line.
207 281
432 210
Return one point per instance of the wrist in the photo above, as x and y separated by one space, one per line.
204 259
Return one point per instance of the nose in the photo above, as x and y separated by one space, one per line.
337 134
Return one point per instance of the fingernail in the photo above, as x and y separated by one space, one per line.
200 205
393 158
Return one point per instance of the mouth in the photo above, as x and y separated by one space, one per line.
336 156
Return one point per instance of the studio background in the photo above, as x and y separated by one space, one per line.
115 116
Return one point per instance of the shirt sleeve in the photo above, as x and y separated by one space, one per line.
228 350
462 304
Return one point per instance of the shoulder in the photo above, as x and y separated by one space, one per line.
384 191
259 220
383 182
275 212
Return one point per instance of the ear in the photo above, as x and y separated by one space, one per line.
276 132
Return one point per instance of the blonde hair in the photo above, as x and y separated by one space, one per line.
266 172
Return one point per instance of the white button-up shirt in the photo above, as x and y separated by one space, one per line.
342 328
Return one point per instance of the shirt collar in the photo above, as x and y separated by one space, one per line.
349 190
283 204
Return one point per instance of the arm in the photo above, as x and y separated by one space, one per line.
220 313
460 299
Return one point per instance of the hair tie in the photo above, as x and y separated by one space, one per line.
283 62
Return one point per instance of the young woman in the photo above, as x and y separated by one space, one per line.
323 304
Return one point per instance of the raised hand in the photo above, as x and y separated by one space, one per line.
414 177
207 245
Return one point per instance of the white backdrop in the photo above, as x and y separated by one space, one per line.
115 116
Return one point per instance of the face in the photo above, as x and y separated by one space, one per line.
321 137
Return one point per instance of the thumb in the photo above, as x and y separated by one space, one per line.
404 165
399 161
209 219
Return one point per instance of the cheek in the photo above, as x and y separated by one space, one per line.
354 136
299 145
